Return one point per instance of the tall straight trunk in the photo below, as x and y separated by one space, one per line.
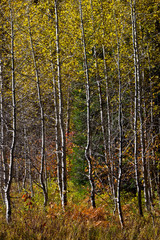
136 108
57 139
120 128
142 139
61 118
8 183
42 173
111 170
120 145
2 161
1 128
88 146
99 94
152 165
56 116
141 117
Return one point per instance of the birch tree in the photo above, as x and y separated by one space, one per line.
111 170
41 109
88 146
60 112
9 177
136 105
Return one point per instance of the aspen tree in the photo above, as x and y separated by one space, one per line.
140 108
41 109
56 113
100 95
57 138
152 181
120 127
2 132
8 177
88 146
136 106
60 112
111 170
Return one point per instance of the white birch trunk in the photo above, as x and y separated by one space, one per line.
110 162
120 128
120 143
61 118
42 170
57 139
57 131
2 179
7 187
136 110
88 146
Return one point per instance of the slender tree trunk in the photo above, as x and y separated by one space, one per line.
42 178
142 138
57 130
136 109
120 145
120 127
100 97
88 146
152 164
110 162
57 139
61 118
2 161
144 165
8 183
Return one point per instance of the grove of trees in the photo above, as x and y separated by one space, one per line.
80 100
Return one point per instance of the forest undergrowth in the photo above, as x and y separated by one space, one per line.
79 221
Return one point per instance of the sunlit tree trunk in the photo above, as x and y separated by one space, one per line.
111 170
136 108
120 145
2 161
8 180
60 111
56 117
88 146
57 139
151 161
120 128
42 169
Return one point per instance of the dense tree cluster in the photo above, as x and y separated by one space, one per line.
80 97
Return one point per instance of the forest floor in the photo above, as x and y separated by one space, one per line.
79 221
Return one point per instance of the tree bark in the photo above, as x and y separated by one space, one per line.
110 162
88 146
57 139
61 118
2 161
120 128
42 178
8 180
136 107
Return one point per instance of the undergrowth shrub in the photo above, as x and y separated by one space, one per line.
78 222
